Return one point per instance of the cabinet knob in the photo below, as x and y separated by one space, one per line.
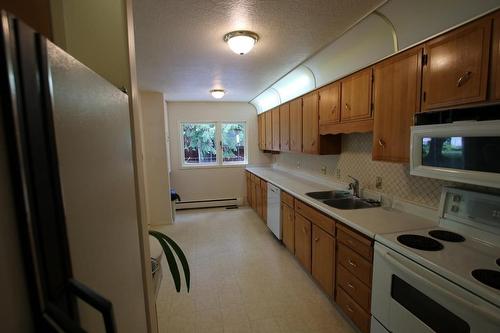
304 229
349 284
381 143
347 106
313 142
334 109
463 78
349 308
352 263
316 239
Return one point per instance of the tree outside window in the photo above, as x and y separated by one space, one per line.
214 143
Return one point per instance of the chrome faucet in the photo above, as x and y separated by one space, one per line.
354 186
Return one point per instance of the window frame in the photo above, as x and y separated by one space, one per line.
219 163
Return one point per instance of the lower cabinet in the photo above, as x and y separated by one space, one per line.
323 259
354 276
263 190
303 241
288 226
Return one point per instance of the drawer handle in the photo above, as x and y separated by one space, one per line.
334 109
463 79
347 107
349 284
316 239
349 308
352 263
381 143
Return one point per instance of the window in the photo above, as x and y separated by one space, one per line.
213 143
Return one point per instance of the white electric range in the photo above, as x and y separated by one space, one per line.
442 279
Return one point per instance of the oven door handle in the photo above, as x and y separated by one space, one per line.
493 316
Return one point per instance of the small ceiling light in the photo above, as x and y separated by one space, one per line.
242 41
217 93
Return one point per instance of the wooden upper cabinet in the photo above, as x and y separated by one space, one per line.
296 125
396 98
456 66
285 127
269 130
276 128
495 54
329 104
310 123
356 96
262 130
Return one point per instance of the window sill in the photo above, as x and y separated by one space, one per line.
217 166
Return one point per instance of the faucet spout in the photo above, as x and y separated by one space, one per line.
354 186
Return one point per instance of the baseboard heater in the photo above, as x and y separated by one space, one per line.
208 203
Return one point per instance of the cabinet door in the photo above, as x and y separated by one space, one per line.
456 68
262 131
269 130
258 198
296 125
396 98
356 96
495 74
249 188
288 227
310 123
303 241
323 259
285 127
254 194
329 104
263 188
275 113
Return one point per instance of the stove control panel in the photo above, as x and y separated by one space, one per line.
470 207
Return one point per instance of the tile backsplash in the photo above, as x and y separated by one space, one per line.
356 160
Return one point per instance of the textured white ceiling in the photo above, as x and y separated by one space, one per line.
180 50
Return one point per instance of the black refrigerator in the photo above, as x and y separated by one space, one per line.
68 143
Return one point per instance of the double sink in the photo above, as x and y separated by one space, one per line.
342 200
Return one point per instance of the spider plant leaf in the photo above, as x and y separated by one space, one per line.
172 264
182 258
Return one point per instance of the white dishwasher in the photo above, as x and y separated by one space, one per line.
273 209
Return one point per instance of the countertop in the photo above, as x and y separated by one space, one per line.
369 221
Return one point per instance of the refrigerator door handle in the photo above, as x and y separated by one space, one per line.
101 304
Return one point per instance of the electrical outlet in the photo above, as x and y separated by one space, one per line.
378 182
338 173
323 169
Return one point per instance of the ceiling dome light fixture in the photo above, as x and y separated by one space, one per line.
217 93
241 41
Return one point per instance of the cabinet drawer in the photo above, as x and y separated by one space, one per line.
359 316
322 221
356 242
287 199
359 292
355 264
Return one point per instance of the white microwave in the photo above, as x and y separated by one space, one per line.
464 152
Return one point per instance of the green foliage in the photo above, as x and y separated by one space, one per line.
229 142
200 137
168 245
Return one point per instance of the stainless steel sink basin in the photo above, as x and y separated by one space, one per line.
350 203
342 200
327 195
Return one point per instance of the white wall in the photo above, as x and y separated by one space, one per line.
94 32
155 158
217 182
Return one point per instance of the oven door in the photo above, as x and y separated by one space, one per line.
465 152
409 298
